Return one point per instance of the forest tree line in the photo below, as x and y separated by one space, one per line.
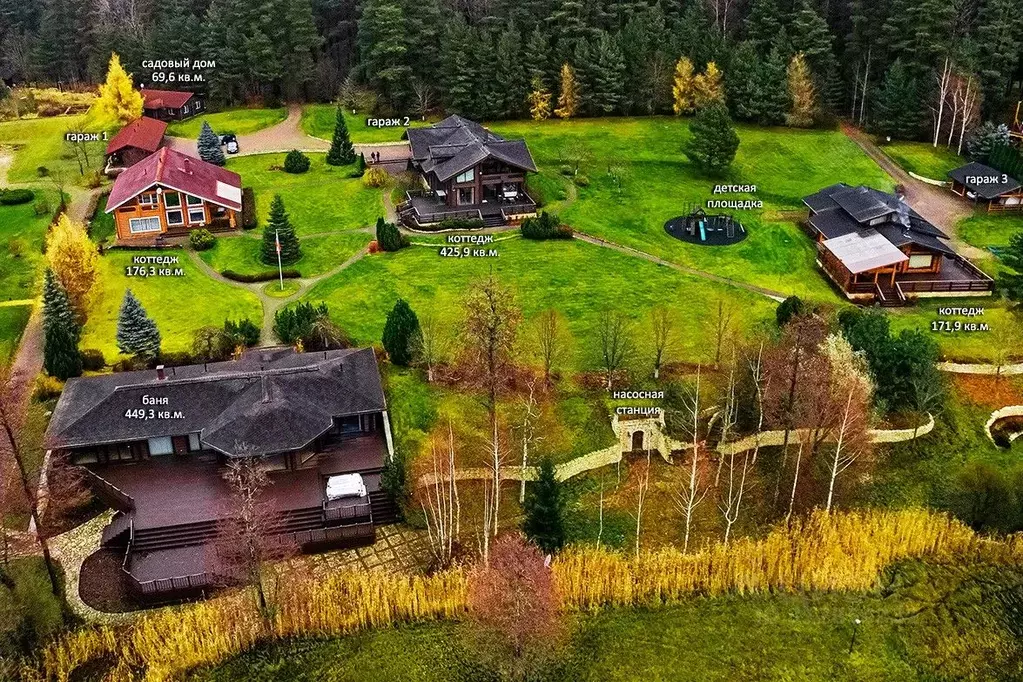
907 68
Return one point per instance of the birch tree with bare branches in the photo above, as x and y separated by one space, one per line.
691 491
550 334
663 328
738 473
850 379
439 500
431 345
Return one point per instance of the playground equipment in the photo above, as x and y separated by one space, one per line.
699 227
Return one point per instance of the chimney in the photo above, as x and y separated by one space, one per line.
266 388
160 374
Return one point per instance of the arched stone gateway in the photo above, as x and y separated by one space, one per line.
637 440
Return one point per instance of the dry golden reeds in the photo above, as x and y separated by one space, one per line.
825 552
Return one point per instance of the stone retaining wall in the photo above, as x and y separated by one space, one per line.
980 368
1002 413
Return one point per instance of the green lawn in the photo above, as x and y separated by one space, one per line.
775 638
13 319
576 278
324 199
923 159
963 346
40 142
174 302
659 183
102 227
318 121
22 234
319 254
984 229
237 121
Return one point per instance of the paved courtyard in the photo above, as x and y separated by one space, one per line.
399 548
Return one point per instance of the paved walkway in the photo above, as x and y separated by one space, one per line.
288 135
936 204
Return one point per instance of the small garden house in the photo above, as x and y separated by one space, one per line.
133 143
171 105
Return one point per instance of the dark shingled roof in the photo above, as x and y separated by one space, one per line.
456 144
268 401
987 190
839 210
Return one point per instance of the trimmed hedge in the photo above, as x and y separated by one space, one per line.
265 276
12 197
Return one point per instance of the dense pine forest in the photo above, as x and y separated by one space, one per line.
892 65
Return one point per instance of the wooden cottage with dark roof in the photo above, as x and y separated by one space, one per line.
989 186
468 172
873 246
154 445
171 105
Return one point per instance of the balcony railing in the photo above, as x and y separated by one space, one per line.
354 511
109 493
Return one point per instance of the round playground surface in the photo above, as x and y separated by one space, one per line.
706 230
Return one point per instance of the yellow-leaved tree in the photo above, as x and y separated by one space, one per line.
119 103
568 99
539 100
709 87
682 87
72 256
802 94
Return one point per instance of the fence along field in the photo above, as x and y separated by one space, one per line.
825 552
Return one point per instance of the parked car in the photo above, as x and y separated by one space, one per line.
231 142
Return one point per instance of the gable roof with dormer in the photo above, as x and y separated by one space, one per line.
170 169
456 144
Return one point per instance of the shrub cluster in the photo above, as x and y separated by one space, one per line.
264 276
545 226
309 325
249 220
12 197
201 239
389 237
244 331
375 178
47 388
93 360
296 162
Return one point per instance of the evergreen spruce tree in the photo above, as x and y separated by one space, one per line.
762 25
536 59
544 507
772 88
897 111
609 77
1009 282
209 146
389 237
514 77
279 227
137 334
401 333
1000 31
743 82
61 332
713 141
342 151
810 35
582 60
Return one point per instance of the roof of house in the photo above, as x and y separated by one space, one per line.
866 250
268 401
174 170
144 133
456 144
839 210
165 99
969 174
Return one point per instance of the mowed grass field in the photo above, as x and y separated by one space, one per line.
318 120
985 229
22 234
1005 333
659 183
579 280
322 200
179 305
319 254
924 159
771 637
40 142
13 319
237 121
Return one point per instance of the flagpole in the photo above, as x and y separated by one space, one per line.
280 269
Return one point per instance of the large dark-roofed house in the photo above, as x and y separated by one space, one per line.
873 246
983 184
468 172
154 444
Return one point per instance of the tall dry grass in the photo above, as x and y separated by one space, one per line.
835 552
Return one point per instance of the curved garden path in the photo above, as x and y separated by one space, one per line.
936 204
271 304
